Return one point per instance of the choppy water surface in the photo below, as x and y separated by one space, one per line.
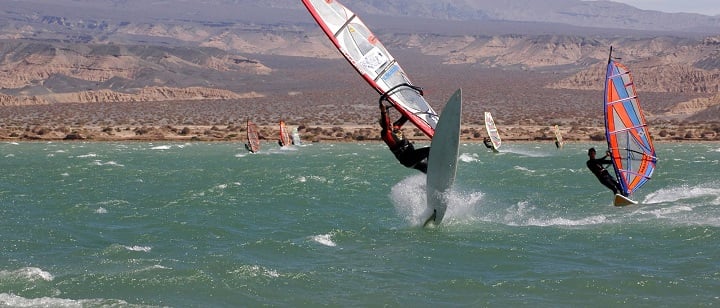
207 224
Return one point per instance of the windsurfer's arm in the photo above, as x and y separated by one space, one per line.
384 119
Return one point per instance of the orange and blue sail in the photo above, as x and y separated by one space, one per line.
628 137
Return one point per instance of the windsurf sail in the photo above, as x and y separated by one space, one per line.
628 137
558 137
284 137
296 136
492 130
372 61
253 137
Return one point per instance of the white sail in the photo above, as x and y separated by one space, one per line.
492 131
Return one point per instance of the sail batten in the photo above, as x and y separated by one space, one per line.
623 100
628 128
628 137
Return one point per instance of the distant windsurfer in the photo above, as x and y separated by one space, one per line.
596 166
403 149
488 143
249 148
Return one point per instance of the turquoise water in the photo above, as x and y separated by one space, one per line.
207 224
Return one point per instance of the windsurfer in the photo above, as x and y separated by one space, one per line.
249 148
596 166
403 149
488 143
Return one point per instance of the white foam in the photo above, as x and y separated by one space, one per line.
683 192
255 271
138 248
324 239
524 152
29 274
87 155
523 169
12 300
109 163
161 147
468 158
315 178
101 210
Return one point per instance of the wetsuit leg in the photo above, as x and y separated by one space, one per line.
609 182
417 159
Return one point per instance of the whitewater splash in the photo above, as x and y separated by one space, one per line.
409 198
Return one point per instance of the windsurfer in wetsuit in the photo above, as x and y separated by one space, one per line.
488 143
596 166
404 151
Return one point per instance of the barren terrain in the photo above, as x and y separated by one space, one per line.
138 70
328 101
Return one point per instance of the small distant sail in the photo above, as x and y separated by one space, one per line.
372 61
628 137
284 136
253 137
492 131
296 137
558 137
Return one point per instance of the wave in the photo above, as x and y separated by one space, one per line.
525 152
324 239
29 274
161 147
12 300
468 158
249 271
109 163
708 191
520 168
138 248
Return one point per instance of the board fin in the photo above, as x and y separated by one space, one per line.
621 200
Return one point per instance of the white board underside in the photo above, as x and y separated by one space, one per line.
442 161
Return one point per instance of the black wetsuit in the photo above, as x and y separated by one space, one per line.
488 143
403 150
596 166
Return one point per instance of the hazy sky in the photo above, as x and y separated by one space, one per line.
707 7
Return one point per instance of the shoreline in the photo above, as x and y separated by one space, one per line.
314 134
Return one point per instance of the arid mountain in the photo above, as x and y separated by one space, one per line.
99 51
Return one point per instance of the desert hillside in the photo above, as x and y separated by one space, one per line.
164 67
